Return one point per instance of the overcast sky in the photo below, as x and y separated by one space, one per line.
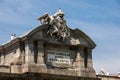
99 19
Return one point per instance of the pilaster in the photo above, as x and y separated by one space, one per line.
90 63
79 61
40 60
29 52
2 59
81 57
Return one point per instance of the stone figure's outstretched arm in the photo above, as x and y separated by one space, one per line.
44 19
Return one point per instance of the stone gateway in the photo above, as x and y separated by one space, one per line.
51 51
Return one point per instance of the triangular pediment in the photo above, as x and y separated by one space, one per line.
77 37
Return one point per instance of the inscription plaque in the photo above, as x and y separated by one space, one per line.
58 58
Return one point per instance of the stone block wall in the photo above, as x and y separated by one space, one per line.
5 69
108 77
41 76
32 57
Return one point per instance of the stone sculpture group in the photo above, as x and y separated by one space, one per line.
57 24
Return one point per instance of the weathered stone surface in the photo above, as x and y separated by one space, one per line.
41 76
50 49
5 69
108 77
34 55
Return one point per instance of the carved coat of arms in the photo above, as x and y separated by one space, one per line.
57 24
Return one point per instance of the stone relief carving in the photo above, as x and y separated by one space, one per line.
57 25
